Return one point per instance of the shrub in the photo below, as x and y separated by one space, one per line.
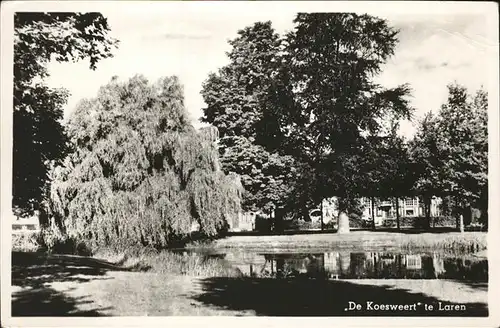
456 243
422 223
355 221
303 225
262 224
26 242
53 241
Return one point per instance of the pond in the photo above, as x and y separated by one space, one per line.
352 265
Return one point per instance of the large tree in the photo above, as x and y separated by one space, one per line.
333 59
241 104
452 150
139 172
39 137
310 95
427 161
388 170
464 150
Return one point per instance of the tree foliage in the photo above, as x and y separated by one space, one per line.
140 173
310 95
388 171
451 150
39 137
333 59
238 104
267 177
424 153
464 153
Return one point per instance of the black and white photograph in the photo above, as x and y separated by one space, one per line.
224 159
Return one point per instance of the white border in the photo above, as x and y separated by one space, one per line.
489 9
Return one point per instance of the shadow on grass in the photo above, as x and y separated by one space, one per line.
307 297
49 302
34 272
36 269
483 286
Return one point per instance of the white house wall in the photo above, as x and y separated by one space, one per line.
408 207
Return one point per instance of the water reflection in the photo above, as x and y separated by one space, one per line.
346 265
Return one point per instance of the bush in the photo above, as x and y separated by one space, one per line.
262 224
303 225
443 221
457 243
26 242
421 222
331 225
356 221
53 241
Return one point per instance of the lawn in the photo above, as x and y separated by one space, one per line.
66 285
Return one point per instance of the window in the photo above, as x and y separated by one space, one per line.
409 213
409 202
413 262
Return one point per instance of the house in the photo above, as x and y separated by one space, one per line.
383 209
408 207
25 225
244 221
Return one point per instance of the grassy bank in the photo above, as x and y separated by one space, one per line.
166 262
136 258
455 242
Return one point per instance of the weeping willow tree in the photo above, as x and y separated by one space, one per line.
139 172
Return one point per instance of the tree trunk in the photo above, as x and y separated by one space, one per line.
397 212
468 215
373 212
280 268
321 215
460 223
343 223
278 221
43 218
427 209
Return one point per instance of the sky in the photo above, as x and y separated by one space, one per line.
434 50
